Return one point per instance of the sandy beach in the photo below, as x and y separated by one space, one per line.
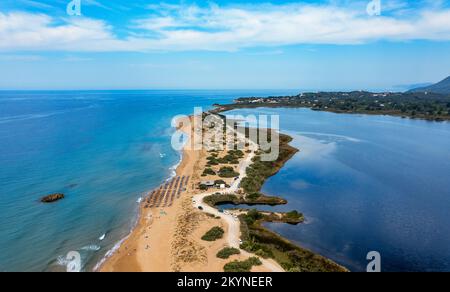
168 239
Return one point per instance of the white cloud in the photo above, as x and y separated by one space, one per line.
24 31
177 28
27 58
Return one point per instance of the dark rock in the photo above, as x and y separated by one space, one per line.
52 198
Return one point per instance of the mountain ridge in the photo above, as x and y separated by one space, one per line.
442 87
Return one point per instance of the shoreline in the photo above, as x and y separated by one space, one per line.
98 266
412 105
174 169
167 238
233 106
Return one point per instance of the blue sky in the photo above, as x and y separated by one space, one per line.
305 45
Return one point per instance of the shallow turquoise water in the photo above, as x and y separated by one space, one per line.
367 183
102 149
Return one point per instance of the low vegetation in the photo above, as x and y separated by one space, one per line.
242 266
228 252
203 187
260 171
208 171
232 157
212 160
228 172
257 239
220 182
213 234
267 244
216 200
424 105
293 215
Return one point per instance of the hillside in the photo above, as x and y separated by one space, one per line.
442 87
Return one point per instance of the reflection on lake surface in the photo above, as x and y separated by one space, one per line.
367 183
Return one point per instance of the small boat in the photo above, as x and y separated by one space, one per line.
102 237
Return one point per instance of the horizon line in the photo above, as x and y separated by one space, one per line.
208 89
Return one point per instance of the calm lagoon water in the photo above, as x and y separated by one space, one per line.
367 183
103 149
364 182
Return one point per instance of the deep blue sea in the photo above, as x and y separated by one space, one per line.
367 183
364 182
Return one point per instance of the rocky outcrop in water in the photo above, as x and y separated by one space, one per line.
52 198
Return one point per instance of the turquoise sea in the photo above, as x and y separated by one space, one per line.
364 182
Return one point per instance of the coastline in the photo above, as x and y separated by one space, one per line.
235 106
168 239
113 257
111 252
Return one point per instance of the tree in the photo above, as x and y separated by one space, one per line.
228 172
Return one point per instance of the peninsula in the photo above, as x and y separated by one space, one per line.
181 229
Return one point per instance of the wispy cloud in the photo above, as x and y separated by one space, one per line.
76 59
96 3
27 58
35 4
224 28
267 53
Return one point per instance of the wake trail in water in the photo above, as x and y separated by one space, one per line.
18 118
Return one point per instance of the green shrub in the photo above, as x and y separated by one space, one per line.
254 261
293 216
228 172
259 171
220 182
254 215
227 252
229 159
262 253
254 196
213 234
212 160
236 153
221 199
257 248
243 266
208 171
